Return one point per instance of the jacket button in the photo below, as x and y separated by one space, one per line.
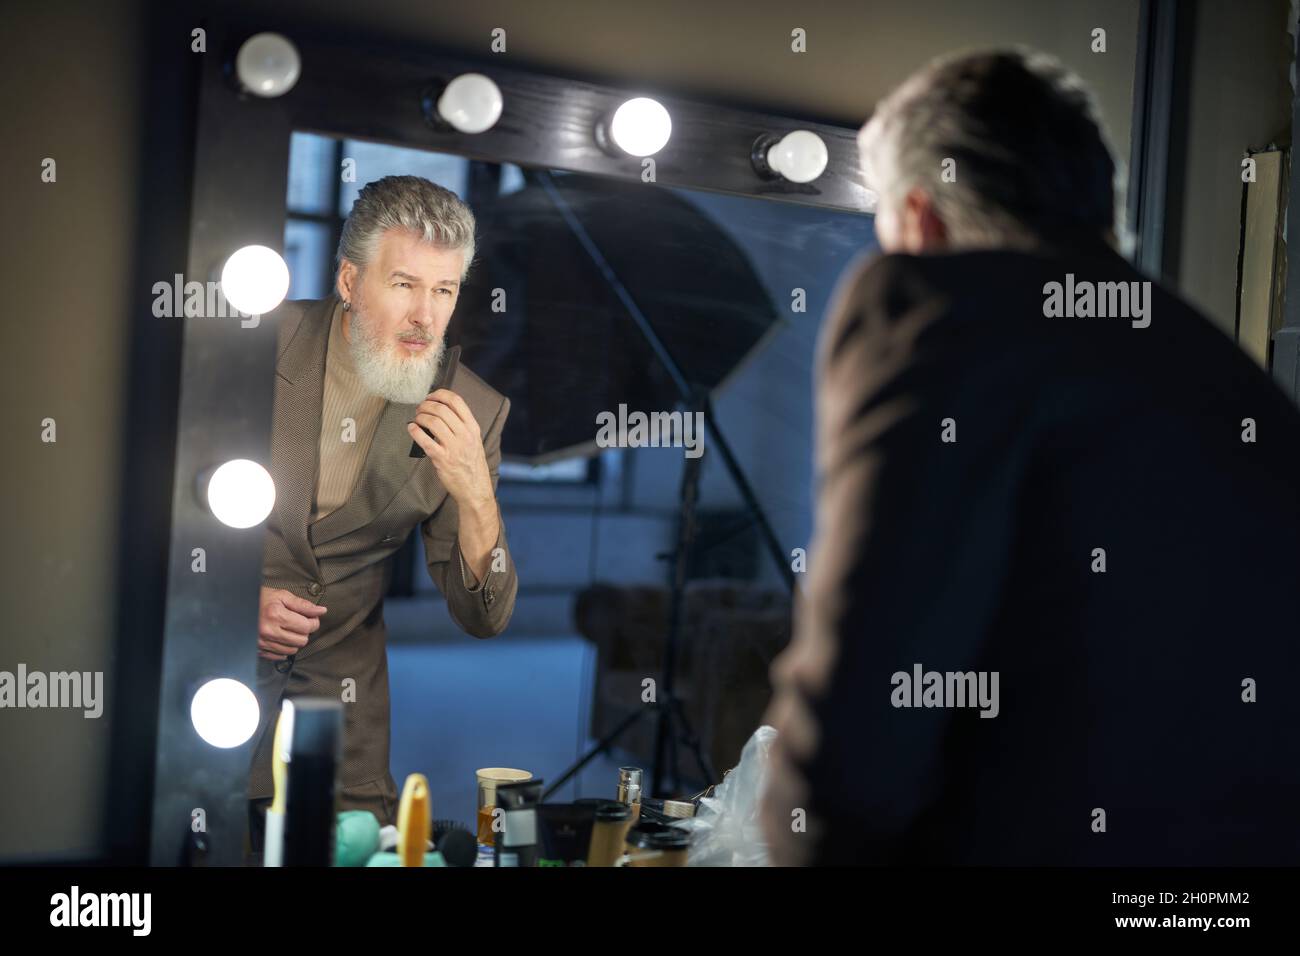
314 588
283 666
489 594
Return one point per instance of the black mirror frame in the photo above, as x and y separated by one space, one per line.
369 92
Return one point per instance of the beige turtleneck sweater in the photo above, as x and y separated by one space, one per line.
341 460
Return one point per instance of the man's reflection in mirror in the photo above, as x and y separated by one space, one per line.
360 376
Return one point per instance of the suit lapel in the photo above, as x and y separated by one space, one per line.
298 396
388 466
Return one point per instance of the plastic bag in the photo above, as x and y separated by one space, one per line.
725 829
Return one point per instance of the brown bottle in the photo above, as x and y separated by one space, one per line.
608 833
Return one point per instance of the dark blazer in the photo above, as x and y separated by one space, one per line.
1120 690
341 561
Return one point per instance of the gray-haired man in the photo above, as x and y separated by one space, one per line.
1055 558
361 375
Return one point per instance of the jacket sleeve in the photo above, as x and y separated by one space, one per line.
911 536
481 608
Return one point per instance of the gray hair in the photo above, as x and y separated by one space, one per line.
1031 162
433 213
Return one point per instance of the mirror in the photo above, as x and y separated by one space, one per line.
569 270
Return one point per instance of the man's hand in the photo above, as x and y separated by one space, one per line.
456 449
460 462
283 623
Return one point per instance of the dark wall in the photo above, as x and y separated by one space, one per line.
70 83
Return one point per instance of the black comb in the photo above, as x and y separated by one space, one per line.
445 374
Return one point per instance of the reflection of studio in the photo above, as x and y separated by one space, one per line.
535 465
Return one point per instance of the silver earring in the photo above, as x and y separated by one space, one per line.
347 306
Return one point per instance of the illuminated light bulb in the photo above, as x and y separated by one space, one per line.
641 126
471 103
268 65
799 156
224 712
255 280
241 493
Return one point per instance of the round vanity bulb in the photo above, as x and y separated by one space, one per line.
471 103
241 493
224 712
799 156
641 126
268 65
255 280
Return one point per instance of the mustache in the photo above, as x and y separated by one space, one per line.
423 337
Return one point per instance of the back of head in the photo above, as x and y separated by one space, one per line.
1007 145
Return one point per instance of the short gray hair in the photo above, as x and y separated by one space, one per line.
1031 161
432 212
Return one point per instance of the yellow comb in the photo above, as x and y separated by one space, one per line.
414 821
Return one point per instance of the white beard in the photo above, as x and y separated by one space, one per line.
385 371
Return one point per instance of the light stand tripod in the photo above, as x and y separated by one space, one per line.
666 706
